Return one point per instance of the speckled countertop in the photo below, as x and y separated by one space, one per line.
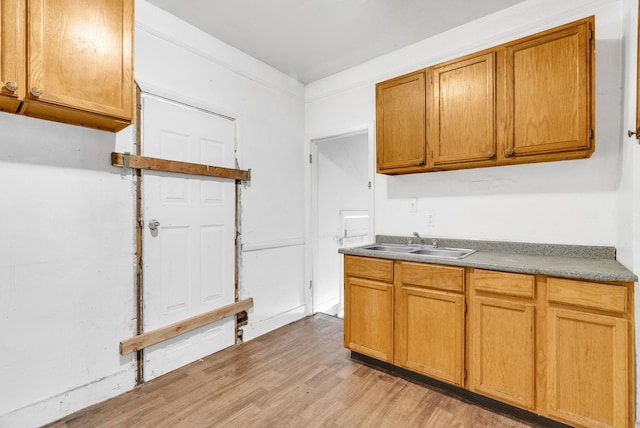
565 261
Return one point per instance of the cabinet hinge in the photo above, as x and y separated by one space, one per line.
590 133
465 307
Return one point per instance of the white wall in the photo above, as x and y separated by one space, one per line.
67 295
176 60
561 202
66 270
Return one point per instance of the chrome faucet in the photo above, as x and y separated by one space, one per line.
417 235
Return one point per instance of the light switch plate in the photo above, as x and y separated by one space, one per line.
413 205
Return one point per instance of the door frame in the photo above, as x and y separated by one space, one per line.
141 89
313 252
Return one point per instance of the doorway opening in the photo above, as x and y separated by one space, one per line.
342 211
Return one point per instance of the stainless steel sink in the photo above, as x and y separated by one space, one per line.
424 250
449 253
390 248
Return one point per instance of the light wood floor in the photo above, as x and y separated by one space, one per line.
296 376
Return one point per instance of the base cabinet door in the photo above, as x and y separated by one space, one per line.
502 337
368 322
429 309
588 354
431 333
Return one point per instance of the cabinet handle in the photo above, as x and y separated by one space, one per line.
509 152
491 154
36 92
12 86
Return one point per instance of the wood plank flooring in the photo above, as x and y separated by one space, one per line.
296 376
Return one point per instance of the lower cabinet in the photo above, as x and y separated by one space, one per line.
589 364
561 348
502 335
368 307
429 310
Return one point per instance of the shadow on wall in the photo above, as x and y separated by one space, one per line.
41 142
575 176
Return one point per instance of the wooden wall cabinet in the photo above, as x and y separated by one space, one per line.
463 113
502 337
368 306
401 128
530 100
78 61
12 54
589 359
549 101
429 311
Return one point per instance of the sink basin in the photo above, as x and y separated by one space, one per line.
449 253
390 248
444 252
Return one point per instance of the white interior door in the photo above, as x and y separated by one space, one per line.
189 232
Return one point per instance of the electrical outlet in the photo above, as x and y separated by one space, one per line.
431 219
413 205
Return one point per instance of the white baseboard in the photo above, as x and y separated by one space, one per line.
253 330
330 308
61 405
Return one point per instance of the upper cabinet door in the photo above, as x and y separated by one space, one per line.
462 120
549 94
12 45
400 115
80 56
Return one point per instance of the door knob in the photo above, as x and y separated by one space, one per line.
153 224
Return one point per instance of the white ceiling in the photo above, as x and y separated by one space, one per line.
312 39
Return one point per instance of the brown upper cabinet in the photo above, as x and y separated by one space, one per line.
12 54
400 130
77 66
549 95
530 100
462 116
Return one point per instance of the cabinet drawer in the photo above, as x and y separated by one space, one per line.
433 276
367 267
507 284
611 298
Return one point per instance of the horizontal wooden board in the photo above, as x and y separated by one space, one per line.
158 335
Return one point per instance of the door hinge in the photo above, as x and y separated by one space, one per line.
590 133
464 374
310 158
590 34
369 185
311 285
465 307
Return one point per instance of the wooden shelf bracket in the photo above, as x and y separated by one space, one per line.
127 160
